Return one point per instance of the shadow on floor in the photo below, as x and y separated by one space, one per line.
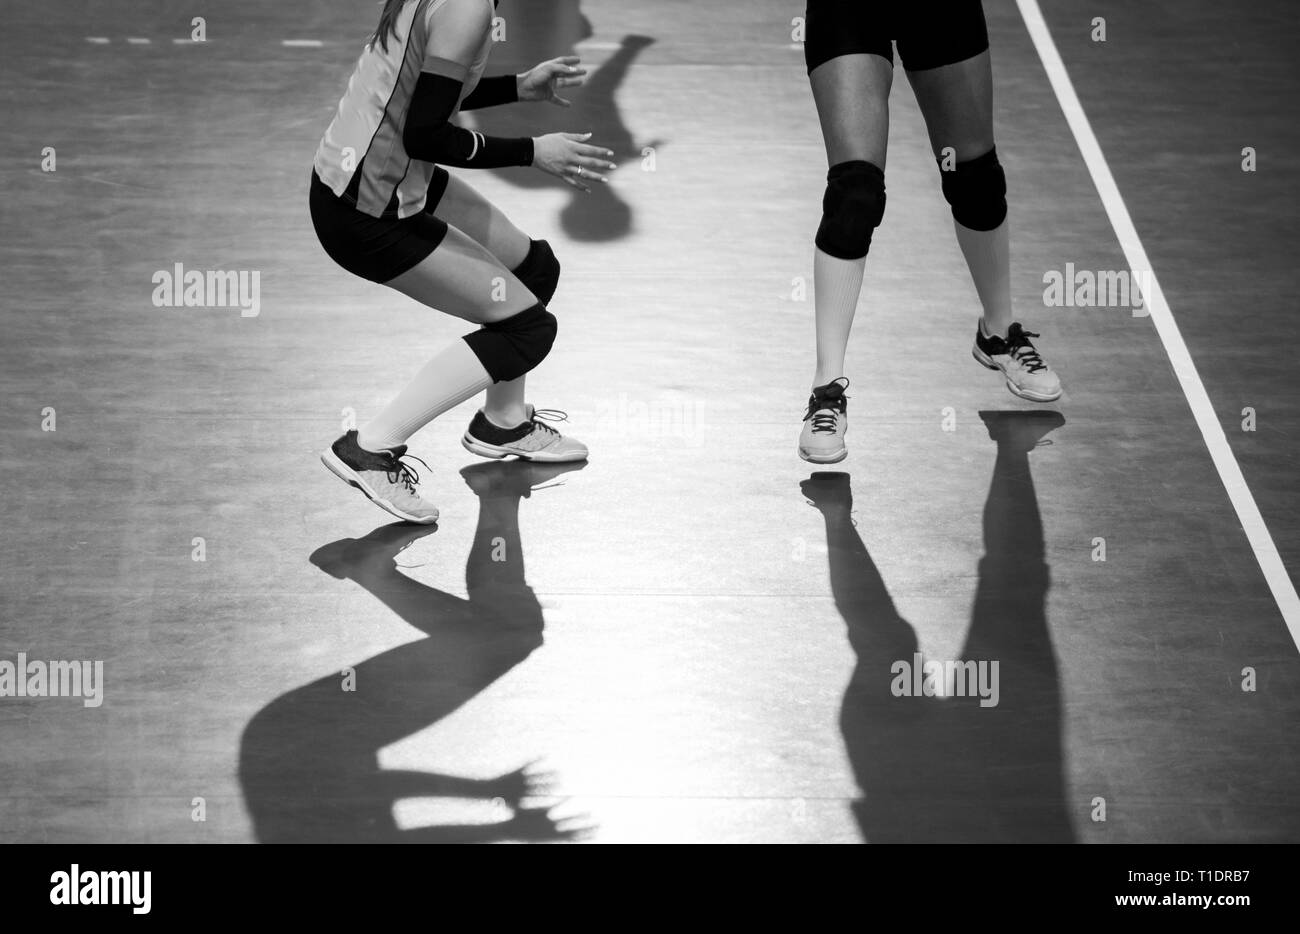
546 29
309 760
936 768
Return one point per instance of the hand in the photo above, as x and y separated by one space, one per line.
531 781
567 156
542 82
545 824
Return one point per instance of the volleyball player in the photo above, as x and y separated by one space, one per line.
385 208
944 49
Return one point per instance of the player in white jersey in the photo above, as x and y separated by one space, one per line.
385 209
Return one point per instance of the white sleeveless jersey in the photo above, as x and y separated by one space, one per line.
365 135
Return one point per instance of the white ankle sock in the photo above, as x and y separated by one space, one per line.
837 283
988 256
443 383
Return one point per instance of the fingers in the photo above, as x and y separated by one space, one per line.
562 67
590 162
587 175
560 101
595 152
574 183
583 163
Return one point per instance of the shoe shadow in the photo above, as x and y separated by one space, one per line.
946 769
545 29
309 760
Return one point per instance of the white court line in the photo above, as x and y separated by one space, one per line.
97 40
302 43
136 40
1261 542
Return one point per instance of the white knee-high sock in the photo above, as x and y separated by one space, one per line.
837 283
443 383
988 256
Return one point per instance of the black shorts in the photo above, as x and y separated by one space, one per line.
376 248
929 33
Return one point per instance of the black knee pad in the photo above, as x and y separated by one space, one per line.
852 209
508 349
977 191
540 271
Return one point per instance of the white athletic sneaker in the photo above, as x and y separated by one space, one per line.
385 478
1026 373
534 440
825 424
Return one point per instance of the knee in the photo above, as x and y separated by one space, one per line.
540 271
977 191
508 349
852 209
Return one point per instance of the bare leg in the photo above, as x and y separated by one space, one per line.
852 94
478 217
459 278
957 102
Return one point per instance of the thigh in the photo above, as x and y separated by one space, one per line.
462 278
850 56
950 72
463 207
852 95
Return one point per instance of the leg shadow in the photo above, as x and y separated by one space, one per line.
309 761
946 769
542 30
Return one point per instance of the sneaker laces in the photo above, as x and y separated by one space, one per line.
403 473
824 421
1022 351
824 412
542 416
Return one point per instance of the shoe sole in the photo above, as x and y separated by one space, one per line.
983 360
492 451
349 476
824 458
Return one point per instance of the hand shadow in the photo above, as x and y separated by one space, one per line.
309 760
545 29
946 769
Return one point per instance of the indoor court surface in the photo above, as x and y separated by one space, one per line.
690 638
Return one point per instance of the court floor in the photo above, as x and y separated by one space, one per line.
693 637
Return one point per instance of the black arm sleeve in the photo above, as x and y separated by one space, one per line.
430 136
492 92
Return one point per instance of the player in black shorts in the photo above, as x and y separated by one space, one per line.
944 48
385 209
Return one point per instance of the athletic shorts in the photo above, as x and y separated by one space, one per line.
929 33
376 248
